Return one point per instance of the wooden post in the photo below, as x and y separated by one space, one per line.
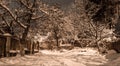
8 41
31 47
33 44
7 45
22 43
2 43
22 52
38 47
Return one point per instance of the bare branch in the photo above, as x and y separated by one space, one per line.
24 4
11 14
38 17
5 21
2 31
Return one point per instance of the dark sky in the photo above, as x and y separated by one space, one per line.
63 3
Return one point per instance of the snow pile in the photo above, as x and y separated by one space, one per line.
85 51
49 52
115 62
111 52
113 59
76 51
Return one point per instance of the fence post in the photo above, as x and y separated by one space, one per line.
22 51
8 42
33 46
38 47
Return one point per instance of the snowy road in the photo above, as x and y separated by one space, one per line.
75 57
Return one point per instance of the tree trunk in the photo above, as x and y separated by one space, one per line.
24 36
28 26
57 41
56 38
96 37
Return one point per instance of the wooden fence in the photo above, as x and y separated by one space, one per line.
10 46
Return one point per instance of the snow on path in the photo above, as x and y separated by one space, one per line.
113 60
75 57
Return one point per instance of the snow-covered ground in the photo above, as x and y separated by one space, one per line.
75 57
